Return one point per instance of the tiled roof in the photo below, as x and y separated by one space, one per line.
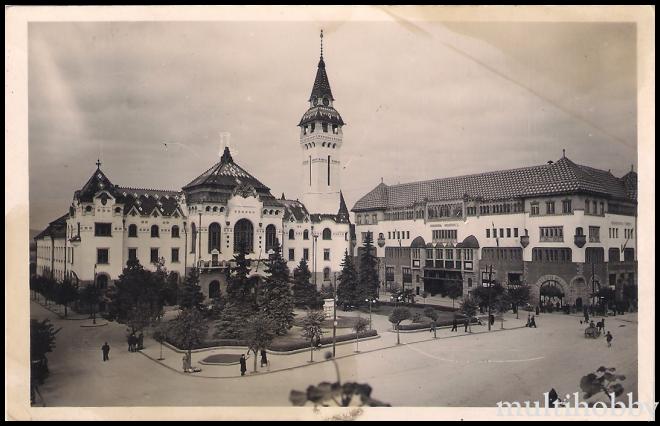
56 228
321 113
342 215
146 200
97 182
560 177
564 176
295 209
321 84
630 182
227 175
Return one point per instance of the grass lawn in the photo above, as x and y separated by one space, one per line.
344 326
386 310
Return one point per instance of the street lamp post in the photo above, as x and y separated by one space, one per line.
314 254
490 285
334 315
94 301
370 300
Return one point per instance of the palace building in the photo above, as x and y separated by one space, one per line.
559 224
204 224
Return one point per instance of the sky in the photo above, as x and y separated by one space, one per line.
158 101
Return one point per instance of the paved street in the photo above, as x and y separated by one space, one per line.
466 370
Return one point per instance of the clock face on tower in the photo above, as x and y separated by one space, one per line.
326 102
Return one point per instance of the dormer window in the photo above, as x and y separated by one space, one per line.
325 127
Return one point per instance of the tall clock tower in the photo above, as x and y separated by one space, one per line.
320 145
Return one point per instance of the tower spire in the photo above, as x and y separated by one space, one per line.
98 163
321 43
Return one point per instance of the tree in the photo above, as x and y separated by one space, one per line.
469 308
433 315
240 289
483 295
396 317
137 298
90 295
48 289
171 289
258 333
453 290
66 293
603 380
190 293
42 341
276 298
231 320
518 295
311 329
347 291
305 293
368 273
188 329
360 326
342 395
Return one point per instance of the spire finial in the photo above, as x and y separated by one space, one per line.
98 163
563 153
321 42
632 167
381 179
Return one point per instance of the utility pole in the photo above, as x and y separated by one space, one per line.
334 314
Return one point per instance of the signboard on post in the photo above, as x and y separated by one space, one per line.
328 307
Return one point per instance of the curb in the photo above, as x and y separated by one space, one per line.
272 352
93 325
307 364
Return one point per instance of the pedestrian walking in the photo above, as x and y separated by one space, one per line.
140 341
529 320
537 309
466 325
491 319
106 350
609 338
132 343
184 362
128 340
264 359
243 364
552 397
454 325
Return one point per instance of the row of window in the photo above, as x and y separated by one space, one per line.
324 127
292 254
566 207
591 207
103 255
395 235
369 219
502 233
445 234
448 254
445 210
492 253
499 208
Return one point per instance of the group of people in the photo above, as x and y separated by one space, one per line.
243 361
531 321
135 343
600 325
454 324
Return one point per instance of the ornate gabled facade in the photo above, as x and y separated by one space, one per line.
559 224
205 223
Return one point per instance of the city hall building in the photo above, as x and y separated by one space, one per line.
206 222
559 224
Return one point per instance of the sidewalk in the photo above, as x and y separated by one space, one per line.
287 361
59 311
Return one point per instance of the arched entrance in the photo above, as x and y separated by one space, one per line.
102 281
551 294
214 289
243 236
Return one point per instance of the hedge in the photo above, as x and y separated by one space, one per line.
444 323
419 305
284 346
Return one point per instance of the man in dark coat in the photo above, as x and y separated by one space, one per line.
243 365
454 325
532 323
106 350
140 341
264 359
609 338
466 324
